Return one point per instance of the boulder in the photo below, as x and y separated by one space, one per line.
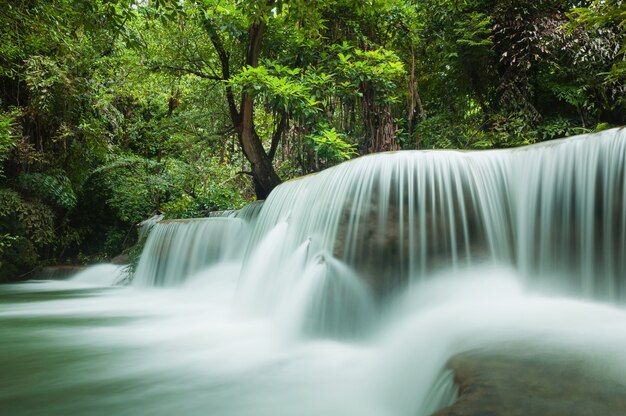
537 381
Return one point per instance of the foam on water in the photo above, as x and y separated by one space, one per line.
193 350
99 275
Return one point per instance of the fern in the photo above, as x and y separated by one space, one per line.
57 190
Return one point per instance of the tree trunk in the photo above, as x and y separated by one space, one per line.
415 101
263 173
265 178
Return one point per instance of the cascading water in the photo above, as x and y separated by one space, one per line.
146 225
556 212
99 275
328 300
178 249
345 293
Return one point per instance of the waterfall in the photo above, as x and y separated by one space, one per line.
146 225
177 249
554 211
329 299
353 292
355 234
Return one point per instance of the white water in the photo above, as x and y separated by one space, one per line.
178 249
555 212
347 294
193 351
99 275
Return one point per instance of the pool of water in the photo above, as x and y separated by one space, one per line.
70 348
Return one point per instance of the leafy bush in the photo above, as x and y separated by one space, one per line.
25 227
57 190
48 83
331 145
214 196
16 258
435 132
8 134
127 183
559 127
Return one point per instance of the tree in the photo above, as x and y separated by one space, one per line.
610 17
282 58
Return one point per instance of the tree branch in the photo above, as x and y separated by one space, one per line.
187 70
225 64
278 134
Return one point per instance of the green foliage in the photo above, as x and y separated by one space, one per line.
605 14
32 219
130 186
379 67
279 86
8 133
56 190
559 127
19 257
8 245
331 145
25 227
474 34
48 84
6 241
214 186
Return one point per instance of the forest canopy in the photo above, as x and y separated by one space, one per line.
112 110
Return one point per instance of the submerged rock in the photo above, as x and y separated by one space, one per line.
389 240
533 381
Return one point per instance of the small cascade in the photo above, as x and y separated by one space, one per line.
444 392
177 249
58 272
329 300
229 213
250 212
146 225
265 282
568 205
99 275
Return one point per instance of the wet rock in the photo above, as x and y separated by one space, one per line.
533 381
389 241
121 259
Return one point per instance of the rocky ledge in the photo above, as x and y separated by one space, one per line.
532 382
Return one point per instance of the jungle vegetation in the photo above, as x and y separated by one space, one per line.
111 110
